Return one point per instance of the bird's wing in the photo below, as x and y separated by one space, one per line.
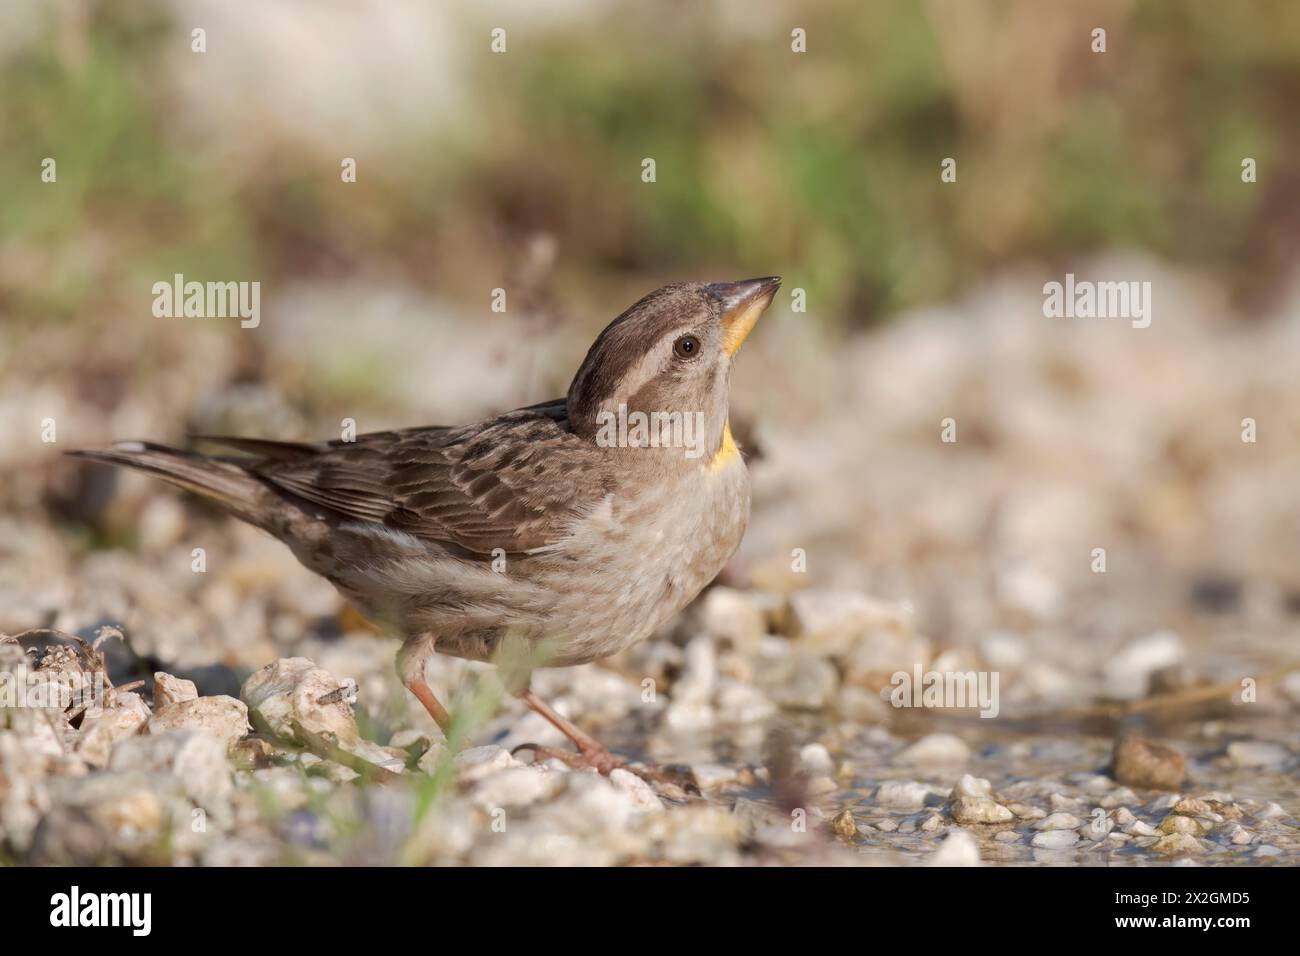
517 482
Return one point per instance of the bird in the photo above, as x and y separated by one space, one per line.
579 525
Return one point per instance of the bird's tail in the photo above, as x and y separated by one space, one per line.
221 481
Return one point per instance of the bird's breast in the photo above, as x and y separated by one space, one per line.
643 554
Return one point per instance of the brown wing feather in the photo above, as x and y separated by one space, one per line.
516 482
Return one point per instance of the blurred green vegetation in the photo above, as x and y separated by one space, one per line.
823 166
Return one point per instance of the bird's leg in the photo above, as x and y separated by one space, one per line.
424 695
591 752
410 668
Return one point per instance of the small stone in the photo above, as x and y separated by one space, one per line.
1270 811
1258 755
1122 816
733 616
1140 828
1003 651
1139 762
1026 812
515 787
161 522
1266 849
710 776
798 680
1058 821
223 717
936 750
816 760
861 705
699 676
902 794
971 801
252 752
1178 844
831 621
932 824
478 762
1025 588
738 702
1217 796
127 716
1096 784
969 786
642 794
195 757
1223 807
1192 807
1055 839
293 692
1118 797
874 659
1177 823
844 826
1164 803
959 848
172 690
1129 671
820 786
1239 835
411 739
1006 836
1059 801
689 715
431 760
590 804
131 811
1291 686
1098 827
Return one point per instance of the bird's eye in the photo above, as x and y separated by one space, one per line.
688 346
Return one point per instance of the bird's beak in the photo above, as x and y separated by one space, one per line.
742 303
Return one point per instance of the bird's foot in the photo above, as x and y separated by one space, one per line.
596 758
667 782
592 753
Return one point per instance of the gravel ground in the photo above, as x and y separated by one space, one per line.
780 753
1145 714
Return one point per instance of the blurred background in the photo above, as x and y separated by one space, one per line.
521 170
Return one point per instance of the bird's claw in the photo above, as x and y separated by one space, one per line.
604 762
600 760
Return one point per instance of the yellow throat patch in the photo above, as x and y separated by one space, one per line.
726 452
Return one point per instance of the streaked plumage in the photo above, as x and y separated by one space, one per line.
523 523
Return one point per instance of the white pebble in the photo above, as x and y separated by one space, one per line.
816 760
1058 821
1055 839
1257 754
902 794
959 848
1129 670
936 749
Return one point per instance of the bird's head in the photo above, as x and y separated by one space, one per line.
667 357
